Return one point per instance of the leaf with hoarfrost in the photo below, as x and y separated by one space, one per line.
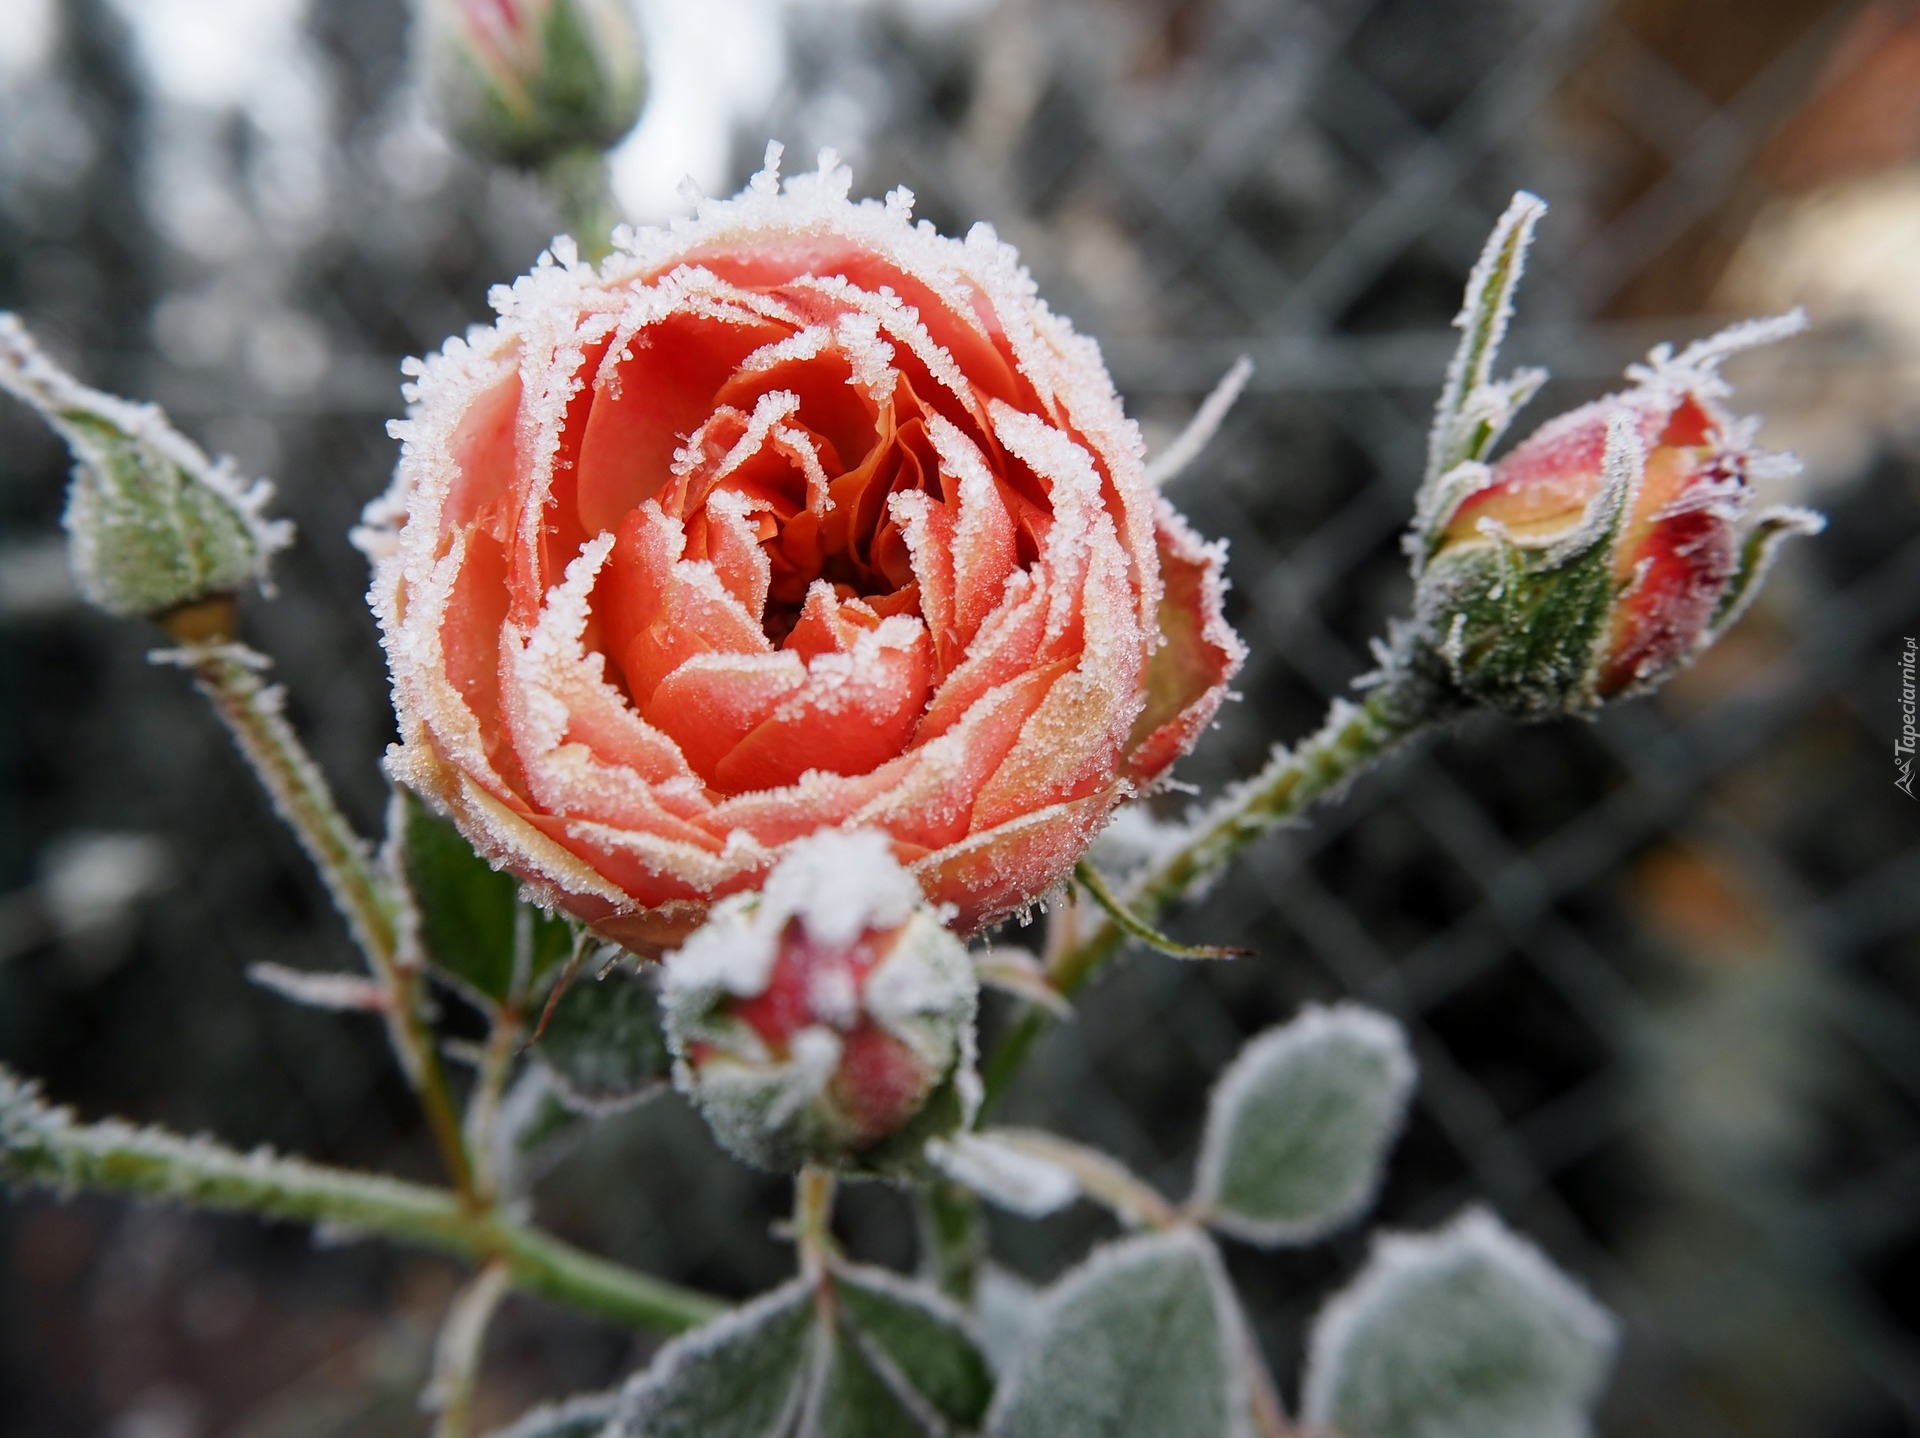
742 1376
586 1416
921 1344
1298 1127
1474 409
1142 1340
1466 1333
869 1355
604 1042
473 925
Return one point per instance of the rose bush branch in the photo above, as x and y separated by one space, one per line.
230 676
44 1146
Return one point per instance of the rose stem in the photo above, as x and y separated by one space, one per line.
229 674
44 1146
580 184
813 1219
463 1338
1350 739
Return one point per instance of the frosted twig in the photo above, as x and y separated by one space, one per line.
456 1356
44 1146
230 675
1201 429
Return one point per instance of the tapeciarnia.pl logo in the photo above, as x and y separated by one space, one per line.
1903 747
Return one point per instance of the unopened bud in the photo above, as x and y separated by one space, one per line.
829 1018
526 82
152 523
1609 547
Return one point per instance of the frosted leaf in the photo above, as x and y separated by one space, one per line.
471 922
1005 1175
1473 409
1142 1340
1465 1333
1298 1127
603 1042
1005 1307
152 523
345 993
584 1416
742 1376
1200 430
862 1352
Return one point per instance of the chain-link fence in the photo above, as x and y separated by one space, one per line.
1661 970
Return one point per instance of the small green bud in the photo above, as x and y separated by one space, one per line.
152 523
527 82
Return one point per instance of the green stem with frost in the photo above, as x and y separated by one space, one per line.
230 675
44 1146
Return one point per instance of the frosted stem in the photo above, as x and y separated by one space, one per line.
230 675
1349 740
581 186
813 1218
44 1146
463 1338
952 1238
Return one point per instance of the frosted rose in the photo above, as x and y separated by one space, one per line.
797 515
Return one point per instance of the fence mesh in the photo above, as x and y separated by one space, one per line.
1661 970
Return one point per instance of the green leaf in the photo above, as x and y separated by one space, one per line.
1135 927
870 1355
473 925
1143 1340
604 1041
922 1338
1466 1333
1298 1127
742 1376
584 1417
1473 409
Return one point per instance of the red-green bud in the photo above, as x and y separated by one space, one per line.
828 1018
526 82
1609 547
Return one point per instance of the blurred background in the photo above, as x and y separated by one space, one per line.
1662 971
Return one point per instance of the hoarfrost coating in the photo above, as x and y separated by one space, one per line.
794 515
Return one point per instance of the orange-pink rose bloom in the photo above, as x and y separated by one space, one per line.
794 515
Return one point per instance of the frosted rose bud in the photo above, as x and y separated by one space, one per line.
152 523
795 516
829 1018
526 81
1610 546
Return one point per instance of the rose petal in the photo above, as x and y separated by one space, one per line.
1199 653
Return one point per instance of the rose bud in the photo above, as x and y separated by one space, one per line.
1608 547
828 1018
528 81
153 526
793 517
